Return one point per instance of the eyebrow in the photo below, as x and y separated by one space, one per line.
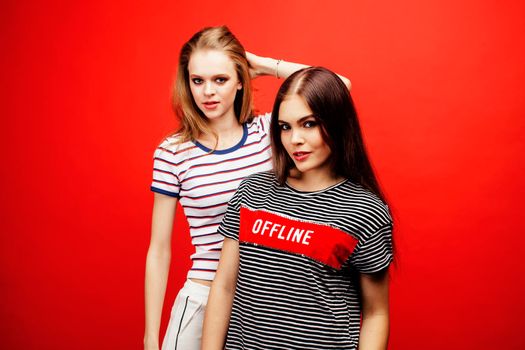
213 76
300 120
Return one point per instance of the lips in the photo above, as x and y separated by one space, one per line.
301 156
210 105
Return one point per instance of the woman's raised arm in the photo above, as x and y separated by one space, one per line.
261 66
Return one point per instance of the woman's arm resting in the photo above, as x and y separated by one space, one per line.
278 68
218 309
157 266
375 325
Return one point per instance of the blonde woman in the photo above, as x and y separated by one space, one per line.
219 143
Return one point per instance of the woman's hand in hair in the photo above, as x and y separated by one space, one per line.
256 65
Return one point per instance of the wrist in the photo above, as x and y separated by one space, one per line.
267 66
151 341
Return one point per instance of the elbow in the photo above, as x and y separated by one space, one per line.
348 83
159 252
375 313
224 287
382 314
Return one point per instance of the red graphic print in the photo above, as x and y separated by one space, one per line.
322 243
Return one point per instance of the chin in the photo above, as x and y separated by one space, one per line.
302 169
212 116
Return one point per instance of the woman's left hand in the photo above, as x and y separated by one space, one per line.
253 63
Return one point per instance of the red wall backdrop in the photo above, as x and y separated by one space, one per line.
85 91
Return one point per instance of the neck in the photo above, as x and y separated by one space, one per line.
225 125
227 131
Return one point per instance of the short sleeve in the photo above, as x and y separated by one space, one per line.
165 179
263 122
374 253
231 221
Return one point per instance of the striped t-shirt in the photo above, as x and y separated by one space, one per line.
300 258
204 181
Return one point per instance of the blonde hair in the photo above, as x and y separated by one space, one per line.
192 120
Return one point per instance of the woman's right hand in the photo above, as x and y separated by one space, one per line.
151 344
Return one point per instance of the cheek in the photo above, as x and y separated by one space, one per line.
326 151
322 145
317 139
194 91
285 140
326 147
232 91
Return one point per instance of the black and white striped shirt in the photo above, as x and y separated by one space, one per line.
300 258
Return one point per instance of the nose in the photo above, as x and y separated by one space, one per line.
209 89
297 137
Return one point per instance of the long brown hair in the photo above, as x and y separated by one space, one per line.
329 99
192 121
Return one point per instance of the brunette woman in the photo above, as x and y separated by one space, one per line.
307 245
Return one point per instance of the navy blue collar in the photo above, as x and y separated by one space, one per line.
227 150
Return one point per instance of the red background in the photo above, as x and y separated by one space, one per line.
85 100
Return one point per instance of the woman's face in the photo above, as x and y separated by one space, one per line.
213 83
301 137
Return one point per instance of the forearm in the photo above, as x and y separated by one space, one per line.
374 332
157 269
217 319
220 300
280 68
277 68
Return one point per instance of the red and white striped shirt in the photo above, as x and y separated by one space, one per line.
204 181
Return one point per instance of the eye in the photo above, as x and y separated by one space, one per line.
310 124
284 127
197 81
221 80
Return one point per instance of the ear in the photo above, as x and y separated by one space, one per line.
239 86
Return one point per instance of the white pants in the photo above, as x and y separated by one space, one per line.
187 315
